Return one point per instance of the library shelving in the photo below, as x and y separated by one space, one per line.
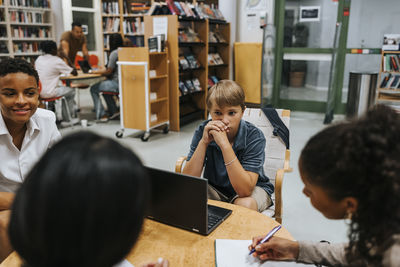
124 17
144 109
219 51
23 26
389 77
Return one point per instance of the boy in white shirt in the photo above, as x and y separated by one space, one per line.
49 67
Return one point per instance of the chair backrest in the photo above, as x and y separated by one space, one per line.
93 61
275 148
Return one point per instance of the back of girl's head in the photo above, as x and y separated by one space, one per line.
15 65
226 93
115 41
81 205
361 159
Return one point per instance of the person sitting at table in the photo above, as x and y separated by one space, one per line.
26 132
49 67
351 170
82 204
231 151
109 85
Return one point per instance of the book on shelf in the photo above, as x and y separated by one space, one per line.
196 84
30 3
193 63
391 42
111 8
156 43
189 85
110 24
183 63
182 88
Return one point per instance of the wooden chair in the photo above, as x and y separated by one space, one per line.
276 156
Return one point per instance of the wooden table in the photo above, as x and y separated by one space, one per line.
80 76
184 248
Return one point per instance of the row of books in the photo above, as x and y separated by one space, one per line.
391 62
30 3
25 47
188 62
111 8
189 86
215 37
212 79
214 59
188 35
110 24
30 32
189 10
139 8
26 16
30 59
391 81
135 26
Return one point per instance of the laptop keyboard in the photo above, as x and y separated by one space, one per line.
213 220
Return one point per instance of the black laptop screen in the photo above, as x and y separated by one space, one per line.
178 199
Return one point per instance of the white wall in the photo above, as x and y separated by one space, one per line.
229 10
249 32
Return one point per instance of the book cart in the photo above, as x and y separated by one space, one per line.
144 97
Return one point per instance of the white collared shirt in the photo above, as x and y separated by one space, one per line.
50 68
41 134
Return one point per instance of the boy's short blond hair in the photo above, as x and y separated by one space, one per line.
226 93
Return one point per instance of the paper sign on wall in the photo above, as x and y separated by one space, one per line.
160 26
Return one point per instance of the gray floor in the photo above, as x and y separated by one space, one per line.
162 150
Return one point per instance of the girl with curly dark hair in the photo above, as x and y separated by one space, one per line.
351 171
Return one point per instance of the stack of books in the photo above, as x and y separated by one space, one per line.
189 86
188 62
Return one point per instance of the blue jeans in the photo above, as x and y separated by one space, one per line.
104 86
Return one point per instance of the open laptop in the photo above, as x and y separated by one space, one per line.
85 66
181 200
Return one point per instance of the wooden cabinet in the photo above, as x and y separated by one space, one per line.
389 77
144 89
23 27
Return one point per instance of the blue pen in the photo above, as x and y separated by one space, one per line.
267 237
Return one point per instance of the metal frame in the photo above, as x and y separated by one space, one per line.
342 51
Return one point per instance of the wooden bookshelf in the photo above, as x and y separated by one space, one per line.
221 71
23 28
389 91
145 110
118 17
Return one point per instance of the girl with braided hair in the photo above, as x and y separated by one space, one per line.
351 171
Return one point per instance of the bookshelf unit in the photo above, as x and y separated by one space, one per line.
389 77
145 110
23 28
124 17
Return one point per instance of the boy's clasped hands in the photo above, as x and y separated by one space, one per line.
216 131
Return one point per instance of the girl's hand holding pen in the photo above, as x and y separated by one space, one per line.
275 248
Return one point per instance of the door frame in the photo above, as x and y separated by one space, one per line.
311 105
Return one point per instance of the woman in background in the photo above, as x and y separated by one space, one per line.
81 205
351 171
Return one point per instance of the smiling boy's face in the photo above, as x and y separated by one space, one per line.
229 115
19 98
